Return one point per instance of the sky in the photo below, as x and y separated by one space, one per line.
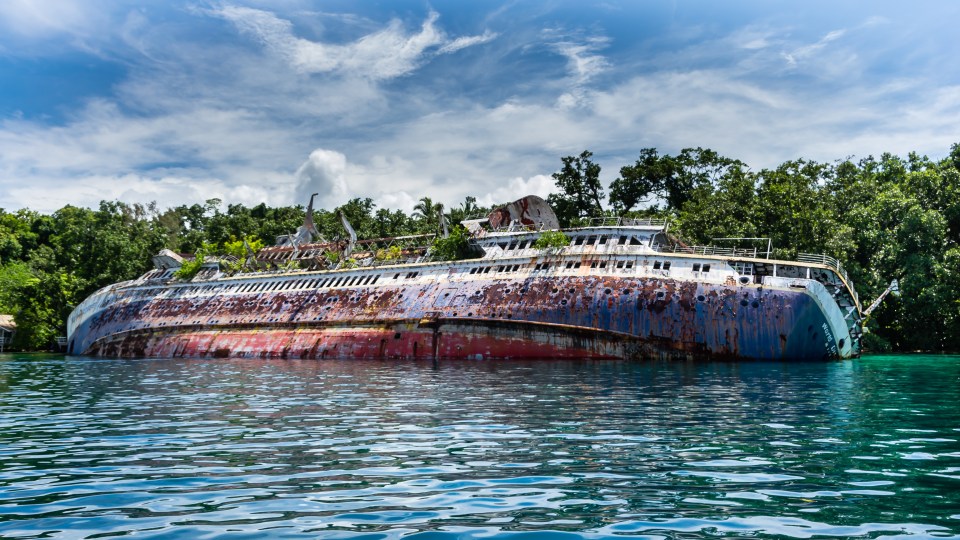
253 101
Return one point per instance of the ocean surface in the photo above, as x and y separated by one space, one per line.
548 449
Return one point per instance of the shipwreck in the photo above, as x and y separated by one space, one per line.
619 288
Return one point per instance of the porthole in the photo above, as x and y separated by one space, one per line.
607 291
744 280
744 302
701 298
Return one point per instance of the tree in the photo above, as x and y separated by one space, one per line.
673 179
580 189
427 215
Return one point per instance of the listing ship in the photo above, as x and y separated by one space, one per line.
621 288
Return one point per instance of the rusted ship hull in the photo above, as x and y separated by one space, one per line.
556 317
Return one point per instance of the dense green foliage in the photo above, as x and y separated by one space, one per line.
882 218
454 247
552 240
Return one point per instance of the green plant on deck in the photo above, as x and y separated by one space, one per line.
391 253
189 269
552 241
454 247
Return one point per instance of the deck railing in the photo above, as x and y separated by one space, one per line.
706 250
624 222
826 260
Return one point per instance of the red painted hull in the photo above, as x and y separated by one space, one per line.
424 340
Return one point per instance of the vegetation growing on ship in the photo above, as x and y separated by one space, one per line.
881 217
453 248
191 267
551 241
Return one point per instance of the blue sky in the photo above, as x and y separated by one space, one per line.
255 101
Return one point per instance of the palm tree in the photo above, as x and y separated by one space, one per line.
428 214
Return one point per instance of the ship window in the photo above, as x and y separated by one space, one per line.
591 240
620 264
696 267
473 270
603 264
629 264
635 241
666 265
396 276
706 268
603 240
578 241
656 265
375 278
569 265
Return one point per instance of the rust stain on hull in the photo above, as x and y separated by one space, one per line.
561 316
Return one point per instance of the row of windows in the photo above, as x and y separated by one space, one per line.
600 240
498 269
665 265
370 279
270 286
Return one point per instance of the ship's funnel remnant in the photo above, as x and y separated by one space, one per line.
308 231
353 235
529 212
444 224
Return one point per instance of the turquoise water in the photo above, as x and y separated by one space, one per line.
355 449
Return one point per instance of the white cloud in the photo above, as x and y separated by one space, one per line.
541 185
468 41
386 54
800 54
43 18
323 173
199 120
583 64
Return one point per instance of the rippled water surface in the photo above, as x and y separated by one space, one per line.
348 449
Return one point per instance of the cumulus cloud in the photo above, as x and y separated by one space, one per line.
541 185
386 54
323 173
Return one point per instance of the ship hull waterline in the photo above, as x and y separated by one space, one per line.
558 318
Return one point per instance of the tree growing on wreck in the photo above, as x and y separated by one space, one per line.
581 192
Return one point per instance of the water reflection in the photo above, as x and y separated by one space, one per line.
478 449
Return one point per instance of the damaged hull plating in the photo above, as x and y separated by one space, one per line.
571 316
617 290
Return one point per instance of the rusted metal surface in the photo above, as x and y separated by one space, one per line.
583 316
609 294
530 211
